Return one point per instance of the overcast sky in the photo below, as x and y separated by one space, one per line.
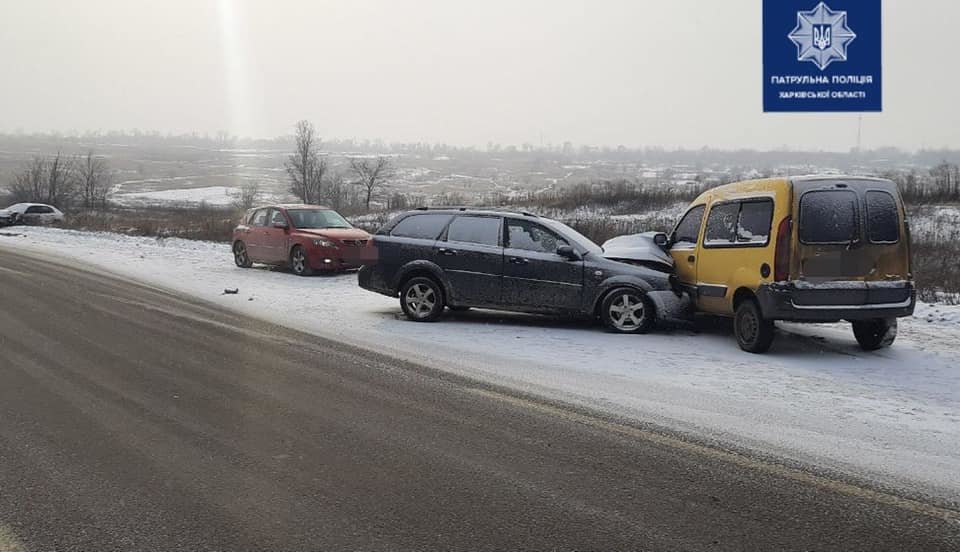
633 72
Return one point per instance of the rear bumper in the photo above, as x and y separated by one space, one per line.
833 301
372 279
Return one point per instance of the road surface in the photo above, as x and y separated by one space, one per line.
134 419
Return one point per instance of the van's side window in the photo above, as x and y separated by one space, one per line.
883 218
755 220
688 230
722 224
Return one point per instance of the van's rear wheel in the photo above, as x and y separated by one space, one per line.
876 333
754 332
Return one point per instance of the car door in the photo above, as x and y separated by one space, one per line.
534 275
736 236
685 241
33 215
255 235
471 256
274 239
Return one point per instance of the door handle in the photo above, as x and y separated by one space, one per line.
447 252
519 260
691 258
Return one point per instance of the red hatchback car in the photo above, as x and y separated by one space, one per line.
307 238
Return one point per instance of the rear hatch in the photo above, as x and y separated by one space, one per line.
852 243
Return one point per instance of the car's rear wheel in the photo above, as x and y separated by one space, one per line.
876 333
421 299
299 263
754 332
240 255
627 311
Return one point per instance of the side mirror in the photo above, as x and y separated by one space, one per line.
661 239
568 252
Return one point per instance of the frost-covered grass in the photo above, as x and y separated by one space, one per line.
892 415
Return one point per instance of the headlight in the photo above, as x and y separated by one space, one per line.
321 242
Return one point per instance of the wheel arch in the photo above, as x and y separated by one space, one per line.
742 294
613 284
421 268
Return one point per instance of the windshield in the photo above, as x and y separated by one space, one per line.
317 218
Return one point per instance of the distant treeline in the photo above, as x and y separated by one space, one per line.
566 152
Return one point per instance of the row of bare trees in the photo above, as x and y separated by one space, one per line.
312 180
63 181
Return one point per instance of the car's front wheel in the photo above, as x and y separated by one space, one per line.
240 255
421 299
754 332
299 263
875 334
627 311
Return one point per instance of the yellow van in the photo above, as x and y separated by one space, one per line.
807 249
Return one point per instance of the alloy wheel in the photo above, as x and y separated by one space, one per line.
420 300
627 312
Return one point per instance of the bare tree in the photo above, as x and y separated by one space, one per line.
371 174
28 182
306 167
248 197
61 181
95 179
43 180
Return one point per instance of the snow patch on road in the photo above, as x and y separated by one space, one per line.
892 415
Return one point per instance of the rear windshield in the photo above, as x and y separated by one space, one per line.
829 216
883 219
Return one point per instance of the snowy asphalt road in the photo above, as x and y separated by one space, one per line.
132 419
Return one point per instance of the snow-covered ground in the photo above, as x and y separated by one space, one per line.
892 416
215 196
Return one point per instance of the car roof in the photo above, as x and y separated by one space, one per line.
473 211
290 206
26 204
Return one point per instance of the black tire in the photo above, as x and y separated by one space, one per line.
240 255
627 311
876 333
421 299
754 332
299 264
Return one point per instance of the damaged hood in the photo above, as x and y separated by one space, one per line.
637 248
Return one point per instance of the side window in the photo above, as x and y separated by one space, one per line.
722 224
523 234
426 227
755 220
883 217
276 216
482 230
259 218
33 210
688 230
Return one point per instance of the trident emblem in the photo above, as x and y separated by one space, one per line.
821 36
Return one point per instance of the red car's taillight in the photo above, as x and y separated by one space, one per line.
781 262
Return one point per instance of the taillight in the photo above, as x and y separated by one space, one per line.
781 261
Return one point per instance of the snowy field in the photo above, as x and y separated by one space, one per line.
215 196
891 416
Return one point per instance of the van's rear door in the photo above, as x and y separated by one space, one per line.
851 239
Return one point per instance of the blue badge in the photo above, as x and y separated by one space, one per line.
821 56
